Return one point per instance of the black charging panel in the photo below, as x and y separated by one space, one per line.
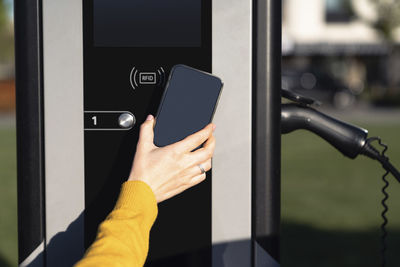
181 235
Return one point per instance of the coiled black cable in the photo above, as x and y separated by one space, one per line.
373 152
385 220
348 139
384 205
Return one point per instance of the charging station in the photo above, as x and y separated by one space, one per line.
89 72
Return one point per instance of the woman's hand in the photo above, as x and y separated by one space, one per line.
172 169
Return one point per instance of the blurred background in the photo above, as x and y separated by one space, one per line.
8 171
344 53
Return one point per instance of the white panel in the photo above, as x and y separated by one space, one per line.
232 61
63 109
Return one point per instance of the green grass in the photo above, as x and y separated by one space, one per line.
330 204
8 198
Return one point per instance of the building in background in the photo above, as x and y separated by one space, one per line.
340 51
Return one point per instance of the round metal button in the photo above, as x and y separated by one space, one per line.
126 120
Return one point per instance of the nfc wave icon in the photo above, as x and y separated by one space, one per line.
138 78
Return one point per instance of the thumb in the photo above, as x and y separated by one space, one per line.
146 134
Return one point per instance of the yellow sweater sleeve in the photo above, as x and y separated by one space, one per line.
123 238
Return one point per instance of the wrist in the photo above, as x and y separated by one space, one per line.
139 197
135 177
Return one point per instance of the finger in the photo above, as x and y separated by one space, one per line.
194 181
194 140
197 179
204 153
146 135
209 140
206 165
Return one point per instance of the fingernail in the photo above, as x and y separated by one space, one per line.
214 126
149 117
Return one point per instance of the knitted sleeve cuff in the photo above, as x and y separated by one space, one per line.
138 196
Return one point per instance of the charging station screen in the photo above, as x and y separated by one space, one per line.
147 23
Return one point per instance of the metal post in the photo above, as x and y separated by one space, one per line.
266 131
30 158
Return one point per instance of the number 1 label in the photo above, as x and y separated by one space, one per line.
94 118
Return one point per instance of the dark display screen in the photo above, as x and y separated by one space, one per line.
147 23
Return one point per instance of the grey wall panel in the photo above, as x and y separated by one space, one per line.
232 61
63 107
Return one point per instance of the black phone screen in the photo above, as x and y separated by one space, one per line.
188 104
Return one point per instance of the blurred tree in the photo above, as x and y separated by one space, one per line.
385 19
3 14
6 34
388 17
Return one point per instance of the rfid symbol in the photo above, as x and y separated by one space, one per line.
139 78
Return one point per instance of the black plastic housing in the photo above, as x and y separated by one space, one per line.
347 138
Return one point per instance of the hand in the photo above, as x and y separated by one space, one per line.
172 169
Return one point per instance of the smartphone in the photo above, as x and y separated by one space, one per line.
187 105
